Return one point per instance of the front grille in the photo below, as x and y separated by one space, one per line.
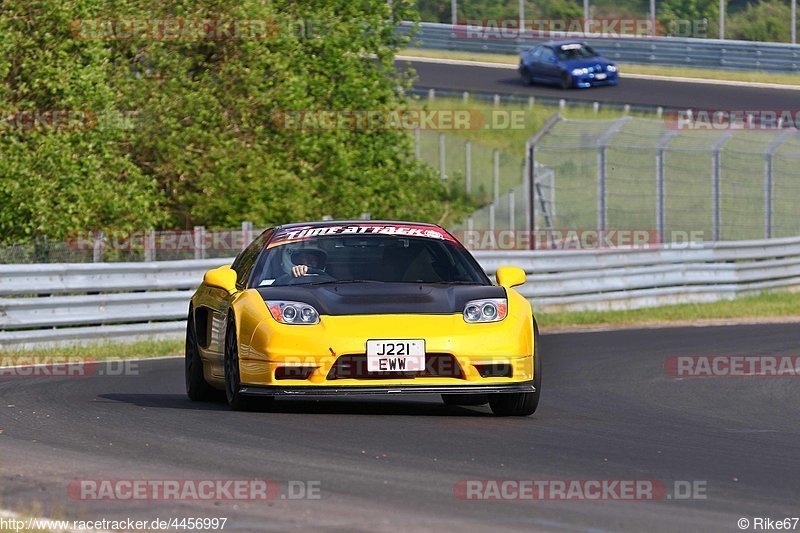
440 365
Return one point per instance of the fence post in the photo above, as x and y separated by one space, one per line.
199 242
98 245
454 12
150 245
511 214
491 217
417 143
602 189
768 195
442 174
530 178
495 175
660 150
526 193
431 95
247 233
768 181
468 166
716 175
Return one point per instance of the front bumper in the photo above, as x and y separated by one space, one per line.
461 354
590 80
276 390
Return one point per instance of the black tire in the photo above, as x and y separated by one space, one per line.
236 400
521 403
527 77
566 80
465 399
197 388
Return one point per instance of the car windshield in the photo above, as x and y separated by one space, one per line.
568 52
366 258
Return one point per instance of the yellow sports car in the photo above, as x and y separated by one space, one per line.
362 307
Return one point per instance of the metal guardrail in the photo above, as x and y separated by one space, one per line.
665 51
43 305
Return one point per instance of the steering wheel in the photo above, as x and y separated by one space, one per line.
319 275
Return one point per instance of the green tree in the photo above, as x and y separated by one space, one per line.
204 147
768 20
61 176
677 15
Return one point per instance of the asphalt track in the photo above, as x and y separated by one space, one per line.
668 94
608 411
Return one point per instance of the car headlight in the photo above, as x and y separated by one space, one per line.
490 310
611 68
579 71
293 312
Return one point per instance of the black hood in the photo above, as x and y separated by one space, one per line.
383 298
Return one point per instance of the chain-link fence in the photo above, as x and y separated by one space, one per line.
634 173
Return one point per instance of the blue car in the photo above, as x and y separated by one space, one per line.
566 64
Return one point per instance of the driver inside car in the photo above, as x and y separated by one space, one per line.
304 259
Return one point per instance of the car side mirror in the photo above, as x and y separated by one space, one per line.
222 278
509 276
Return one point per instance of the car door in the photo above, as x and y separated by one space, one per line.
550 69
533 62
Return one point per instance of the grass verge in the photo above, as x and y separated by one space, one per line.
106 351
753 308
678 72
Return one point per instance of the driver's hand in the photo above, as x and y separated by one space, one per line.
299 270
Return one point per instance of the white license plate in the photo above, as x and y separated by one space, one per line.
396 355
600 76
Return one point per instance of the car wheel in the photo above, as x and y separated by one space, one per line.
236 400
566 80
527 76
521 403
197 388
465 399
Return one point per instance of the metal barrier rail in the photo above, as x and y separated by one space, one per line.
126 301
665 51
